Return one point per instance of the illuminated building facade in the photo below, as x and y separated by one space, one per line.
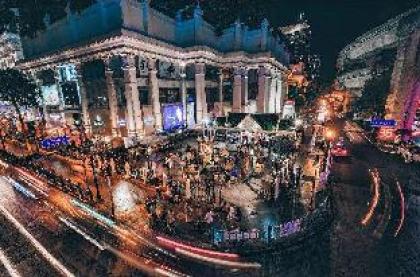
394 47
135 70
305 66
299 39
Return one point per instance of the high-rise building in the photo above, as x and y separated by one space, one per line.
305 65
298 39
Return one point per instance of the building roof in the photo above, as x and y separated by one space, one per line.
109 18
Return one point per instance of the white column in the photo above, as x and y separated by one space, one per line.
273 92
183 90
267 92
131 93
38 84
84 101
237 90
262 90
112 100
61 105
221 100
244 98
279 102
154 94
200 91
285 92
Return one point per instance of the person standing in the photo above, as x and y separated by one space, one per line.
187 187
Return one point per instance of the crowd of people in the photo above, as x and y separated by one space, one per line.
188 175
190 180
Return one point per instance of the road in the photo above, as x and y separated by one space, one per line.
65 241
75 241
380 247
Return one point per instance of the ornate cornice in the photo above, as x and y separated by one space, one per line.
132 43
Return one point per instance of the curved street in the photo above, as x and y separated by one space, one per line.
372 249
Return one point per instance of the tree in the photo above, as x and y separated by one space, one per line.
19 91
374 94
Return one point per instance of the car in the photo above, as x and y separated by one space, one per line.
416 155
340 150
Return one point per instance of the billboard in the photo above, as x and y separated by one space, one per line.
172 117
50 95
289 109
54 142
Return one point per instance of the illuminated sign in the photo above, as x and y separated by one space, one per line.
121 122
287 229
50 95
289 109
172 117
387 134
54 142
383 123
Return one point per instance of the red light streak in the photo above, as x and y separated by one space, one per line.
198 250
402 206
218 261
375 198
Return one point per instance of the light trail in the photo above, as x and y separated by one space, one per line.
196 249
8 265
217 261
83 234
33 182
93 213
375 199
163 272
41 249
402 207
134 260
20 188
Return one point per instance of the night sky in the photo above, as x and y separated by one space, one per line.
335 23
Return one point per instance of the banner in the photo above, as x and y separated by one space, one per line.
172 117
383 123
50 95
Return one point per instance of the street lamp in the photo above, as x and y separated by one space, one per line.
329 135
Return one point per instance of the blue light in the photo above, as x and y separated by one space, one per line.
383 123
54 142
22 189
172 117
93 213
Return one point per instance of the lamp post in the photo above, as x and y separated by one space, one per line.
109 183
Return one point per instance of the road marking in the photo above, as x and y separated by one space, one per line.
8 265
41 249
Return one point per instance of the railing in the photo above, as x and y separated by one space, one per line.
270 234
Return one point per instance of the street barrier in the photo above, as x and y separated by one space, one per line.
272 233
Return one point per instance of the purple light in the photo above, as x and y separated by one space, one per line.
172 117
